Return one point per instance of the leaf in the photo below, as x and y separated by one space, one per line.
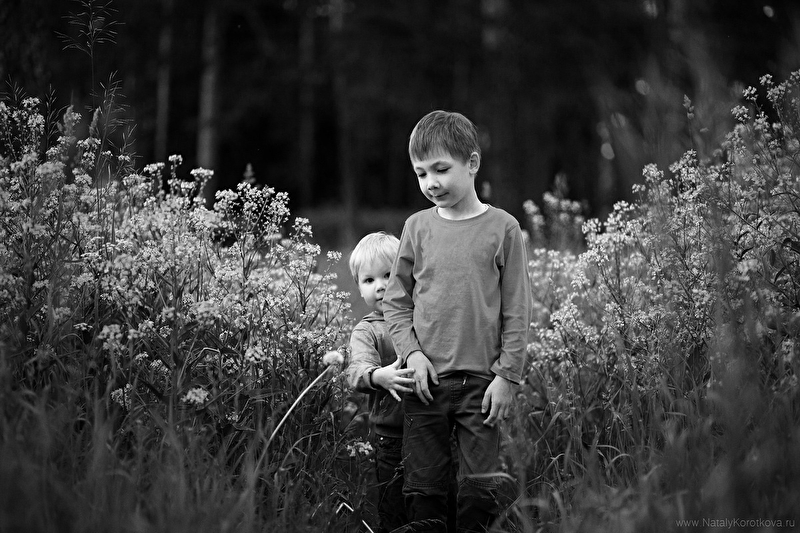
781 271
794 245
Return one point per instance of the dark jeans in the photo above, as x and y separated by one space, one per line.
389 472
426 448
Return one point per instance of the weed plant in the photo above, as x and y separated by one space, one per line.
170 367
162 363
663 391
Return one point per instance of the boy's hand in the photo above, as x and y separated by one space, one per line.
423 369
499 397
394 379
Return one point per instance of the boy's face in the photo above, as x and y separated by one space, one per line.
372 279
447 181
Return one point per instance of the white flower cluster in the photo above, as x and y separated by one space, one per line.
332 358
122 396
196 396
359 448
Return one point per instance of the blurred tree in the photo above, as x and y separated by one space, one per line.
307 81
208 126
163 81
318 96
347 142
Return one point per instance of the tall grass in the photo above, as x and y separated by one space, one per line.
162 364
663 387
150 348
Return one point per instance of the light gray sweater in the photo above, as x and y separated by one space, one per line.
459 292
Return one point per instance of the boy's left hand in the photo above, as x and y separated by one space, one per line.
497 400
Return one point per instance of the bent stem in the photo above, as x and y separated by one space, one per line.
297 401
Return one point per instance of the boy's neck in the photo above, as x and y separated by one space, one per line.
464 210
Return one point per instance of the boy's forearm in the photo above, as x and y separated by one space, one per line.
398 311
398 301
512 375
403 336
363 357
358 377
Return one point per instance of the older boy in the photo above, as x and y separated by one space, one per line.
457 306
375 369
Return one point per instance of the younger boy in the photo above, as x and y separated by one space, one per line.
457 306
375 369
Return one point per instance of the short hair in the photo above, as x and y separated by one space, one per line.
444 131
374 246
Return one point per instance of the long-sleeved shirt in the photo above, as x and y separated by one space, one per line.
371 348
459 291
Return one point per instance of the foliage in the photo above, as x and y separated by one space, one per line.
166 366
663 384
176 349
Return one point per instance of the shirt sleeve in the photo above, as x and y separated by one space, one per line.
398 302
515 307
364 357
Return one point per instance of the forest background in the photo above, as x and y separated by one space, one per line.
317 97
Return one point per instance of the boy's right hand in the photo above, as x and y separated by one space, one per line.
394 379
423 369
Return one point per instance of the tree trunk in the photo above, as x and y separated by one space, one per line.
345 131
306 128
163 82
499 112
207 116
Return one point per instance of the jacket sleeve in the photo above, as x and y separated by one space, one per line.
515 307
398 302
364 357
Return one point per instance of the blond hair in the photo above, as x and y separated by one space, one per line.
374 246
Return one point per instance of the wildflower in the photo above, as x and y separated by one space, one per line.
159 368
333 357
202 174
122 396
255 354
111 335
154 168
186 186
359 448
207 312
196 396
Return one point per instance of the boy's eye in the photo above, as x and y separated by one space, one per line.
386 276
443 170
420 176
367 280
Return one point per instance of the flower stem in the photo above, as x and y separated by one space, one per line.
297 401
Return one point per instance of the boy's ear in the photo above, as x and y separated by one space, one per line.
474 162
